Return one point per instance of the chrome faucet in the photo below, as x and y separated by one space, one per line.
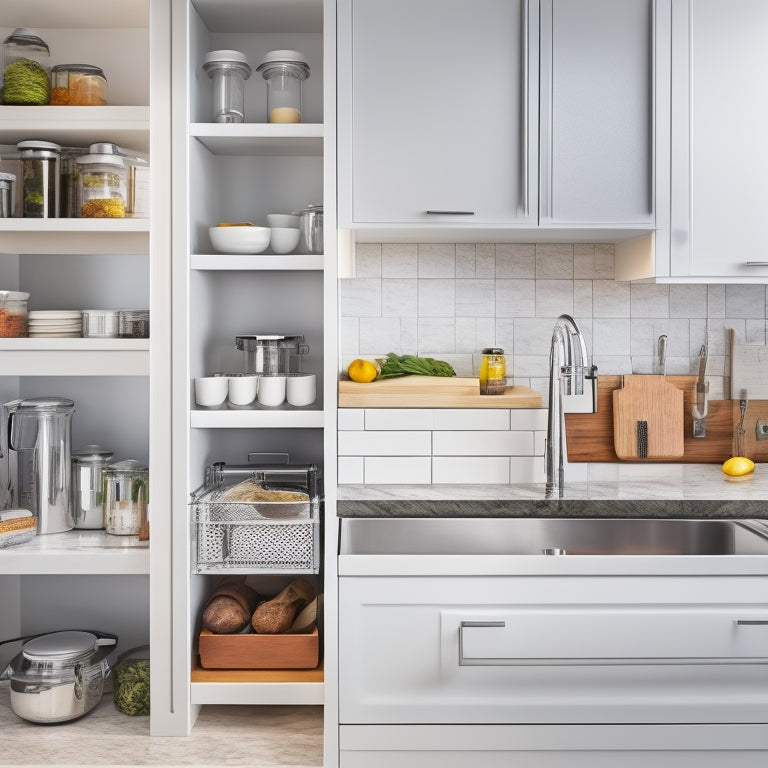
572 388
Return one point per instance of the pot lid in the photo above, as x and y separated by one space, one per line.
37 404
62 647
92 454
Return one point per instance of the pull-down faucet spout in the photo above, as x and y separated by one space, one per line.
568 370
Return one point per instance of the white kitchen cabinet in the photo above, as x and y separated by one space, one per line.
241 172
120 386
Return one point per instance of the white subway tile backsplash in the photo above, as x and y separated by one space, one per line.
554 261
466 334
515 298
528 418
382 443
349 335
475 298
437 260
481 443
471 419
360 298
582 298
649 301
688 301
351 419
367 260
553 298
380 333
485 260
527 469
517 260
745 301
539 443
437 298
470 470
399 260
388 470
403 419
715 301
350 469
611 337
610 299
437 334
399 297
465 260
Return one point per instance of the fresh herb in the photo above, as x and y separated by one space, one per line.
131 691
410 365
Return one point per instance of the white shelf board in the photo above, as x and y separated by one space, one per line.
267 261
77 552
261 15
257 693
74 14
266 139
77 357
77 126
256 417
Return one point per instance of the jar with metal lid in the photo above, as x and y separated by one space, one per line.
272 353
88 465
228 70
284 72
7 181
37 194
311 226
102 186
26 66
78 85
493 372
14 314
126 496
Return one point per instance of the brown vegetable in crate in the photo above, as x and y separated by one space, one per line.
277 615
251 490
230 606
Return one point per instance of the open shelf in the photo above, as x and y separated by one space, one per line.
265 262
117 236
257 417
265 139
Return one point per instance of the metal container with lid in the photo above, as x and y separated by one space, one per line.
26 66
311 226
37 194
7 181
228 70
126 497
14 315
272 353
78 85
88 465
284 72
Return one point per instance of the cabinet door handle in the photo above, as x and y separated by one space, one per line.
450 213
463 661
752 622
756 263
524 105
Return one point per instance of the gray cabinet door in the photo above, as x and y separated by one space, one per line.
434 119
597 112
719 140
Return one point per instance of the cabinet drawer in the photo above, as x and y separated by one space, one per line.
547 650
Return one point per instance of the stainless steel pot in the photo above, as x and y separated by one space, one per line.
59 676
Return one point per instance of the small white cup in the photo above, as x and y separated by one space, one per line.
271 390
211 390
242 389
301 388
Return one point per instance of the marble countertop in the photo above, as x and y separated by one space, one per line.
689 491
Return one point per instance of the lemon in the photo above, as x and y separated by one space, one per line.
738 466
363 371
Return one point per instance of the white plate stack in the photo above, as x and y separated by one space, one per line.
55 323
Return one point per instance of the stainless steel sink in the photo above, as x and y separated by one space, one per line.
551 536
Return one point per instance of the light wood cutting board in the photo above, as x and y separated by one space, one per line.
431 392
648 419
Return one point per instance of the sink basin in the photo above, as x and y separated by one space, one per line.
551 536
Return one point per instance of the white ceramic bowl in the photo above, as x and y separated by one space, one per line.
247 239
283 220
284 239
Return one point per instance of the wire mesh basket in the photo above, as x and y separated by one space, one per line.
264 536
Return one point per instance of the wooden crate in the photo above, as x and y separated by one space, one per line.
285 651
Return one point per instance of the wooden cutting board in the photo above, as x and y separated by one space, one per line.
431 392
648 419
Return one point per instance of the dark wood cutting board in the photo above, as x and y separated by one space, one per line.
648 419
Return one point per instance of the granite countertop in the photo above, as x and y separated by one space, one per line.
695 491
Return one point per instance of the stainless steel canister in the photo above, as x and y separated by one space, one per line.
87 485
311 226
7 180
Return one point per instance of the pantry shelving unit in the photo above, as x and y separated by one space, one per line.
241 172
121 387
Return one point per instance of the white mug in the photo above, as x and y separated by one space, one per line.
271 390
300 388
211 390
242 389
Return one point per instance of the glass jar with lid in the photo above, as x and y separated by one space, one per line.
37 191
88 465
493 372
14 314
228 70
26 67
126 497
7 182
284 72
78 85
102 186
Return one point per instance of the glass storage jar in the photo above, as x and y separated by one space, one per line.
80 85
7 181
14 315
228 70
284 72
102 186
126 496
37 192
26 68
272 353
311 226
88 465
493 372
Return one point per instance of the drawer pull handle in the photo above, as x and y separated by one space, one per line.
756 263
752 622
451 213
465 662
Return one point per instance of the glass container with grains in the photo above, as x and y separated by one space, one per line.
13 314
78 85
102 186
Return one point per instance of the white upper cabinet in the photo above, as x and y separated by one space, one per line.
597 91
437 112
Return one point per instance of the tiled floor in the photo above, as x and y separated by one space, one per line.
259 737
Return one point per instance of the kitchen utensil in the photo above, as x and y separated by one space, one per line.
88 465
284 239
741 433
36 441
700 407
301 388
271 389
493 372
211 390
660 361
228 70
284 72
126 495
648 418
311 225
14 317
245 239
7 181
59 676
272 353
